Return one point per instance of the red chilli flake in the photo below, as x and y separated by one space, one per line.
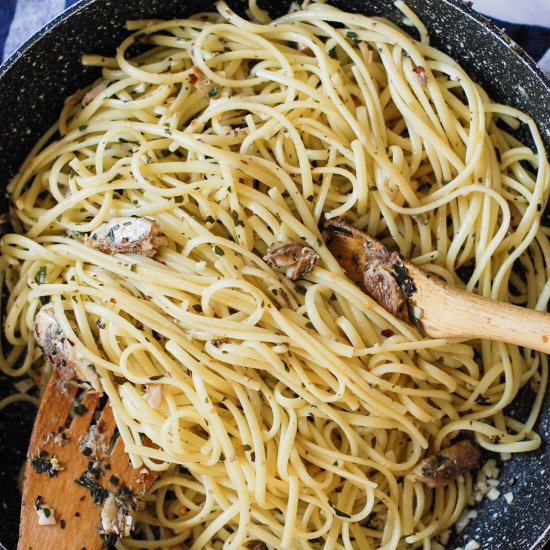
112 300
421 75
387 332
101 426
193 79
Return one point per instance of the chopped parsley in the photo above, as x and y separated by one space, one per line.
339 512
40 276
218 250
111 234
212 92
352 35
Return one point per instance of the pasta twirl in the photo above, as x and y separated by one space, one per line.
279 411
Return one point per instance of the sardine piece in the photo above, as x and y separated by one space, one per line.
298 259
451 462
382 286
376 269
135 235
116 517
61 352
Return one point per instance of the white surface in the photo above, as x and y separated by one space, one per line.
544 62
29 16
532 12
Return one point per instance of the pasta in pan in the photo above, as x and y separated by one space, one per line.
286 412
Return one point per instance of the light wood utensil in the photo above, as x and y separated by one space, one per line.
443 311
77 517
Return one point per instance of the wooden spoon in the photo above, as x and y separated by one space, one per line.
436 308
56 440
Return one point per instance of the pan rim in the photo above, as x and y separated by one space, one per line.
11 62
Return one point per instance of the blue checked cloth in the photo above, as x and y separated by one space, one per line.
20 19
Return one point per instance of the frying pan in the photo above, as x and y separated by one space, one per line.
36 79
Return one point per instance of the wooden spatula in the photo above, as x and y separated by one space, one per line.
69 480
436 308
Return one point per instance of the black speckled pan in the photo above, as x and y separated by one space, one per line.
36 79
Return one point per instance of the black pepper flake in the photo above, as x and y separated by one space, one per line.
125 493
114 480
97 492
87 451
210 219
197 308
100 323
156 377
80 409
37 503
109 541
401 274
94 469
62 523
41 465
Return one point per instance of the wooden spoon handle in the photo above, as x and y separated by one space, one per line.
448 312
